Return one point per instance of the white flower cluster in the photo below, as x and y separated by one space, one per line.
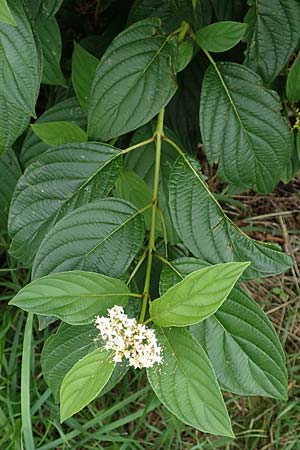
127 338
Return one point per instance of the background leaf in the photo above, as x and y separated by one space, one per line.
10 172
236 338
67 111
209 234
75 297
126 95
103 236
59 133
19 77
186 384
251 139
220 36
293 81
82 79
268 49
196 297
60 181
49 34
84 382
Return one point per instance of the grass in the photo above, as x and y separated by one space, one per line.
130 417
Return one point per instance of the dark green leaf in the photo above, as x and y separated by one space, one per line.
293 81
196 297
241 125
59 133
19 76
103 236
186 383
75 297
84 66
60 181
241 342
84 382
229 10
49 34
272 35
67 111
185 54
220 36
209 234
10 172
63 349
134 80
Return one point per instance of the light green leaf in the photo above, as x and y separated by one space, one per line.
59 133
6 15
103 236
49 34
75 297
62 180
142 162
63 349
19 76
272 35
220 36
10 172
84 382
240 340
185 54
84 66
293 81
134 80
66 111
209 234
242 127
196 297
186 383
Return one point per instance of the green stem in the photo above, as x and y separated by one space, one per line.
140 144
25 385
151 244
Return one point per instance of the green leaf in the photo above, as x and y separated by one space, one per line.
103 236
84 382
209 234
10 172
298 143
293 81
6 15
251 140
19 77
59 133
49 34
293 165
50 7
142 162
186 383
244 349
240 340
220 36
62 180
185 54
75 297
62 350
196 297
134 80
84 66
133 188
272 35
67 111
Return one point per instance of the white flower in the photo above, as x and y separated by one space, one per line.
127 338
